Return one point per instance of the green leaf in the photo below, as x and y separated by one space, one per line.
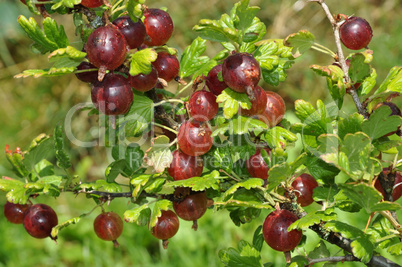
395 249
63 159
52 72
320 170
320 251
258 238
160 156
139 117
139 215
362 247
134 9
241 147
16 160
231 101
141 61
381 123
312 218
57 228
219 156
241 125
199 183
66 57
9 184
300 42
247 184
267 56
277 174
368 83
51 38
325 193
160 205
114 169
393 81
278 74
18 195
65 3
41 148
245 256
331 71
364 195
351 124
278 137
358 69
191 59
217 31
99 184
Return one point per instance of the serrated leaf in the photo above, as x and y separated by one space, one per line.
331 71
258 238
364 195
219 156
18 195
139 215
108 187
351 124
63 159
358 69
52 72
241 147
368 83
191 59
160 205
65 3
393 81
16 160
362 247
320 170
244 14
312 218
278 73
160 156
199 183
381 123
395 249
278 137
300 42
231 101
8 184
51 38
114 169
277 174
134 9
42 150
139 117
141 61
320 251
66 57
241 125
247 184
216 31
325 193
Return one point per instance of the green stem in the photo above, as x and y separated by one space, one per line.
173 100
165 127
184 88
392 220
323 49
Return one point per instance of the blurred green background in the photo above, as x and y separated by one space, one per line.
32 106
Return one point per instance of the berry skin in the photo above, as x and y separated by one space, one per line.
202 106
275 231
167 66
397 190
91 3
258 104
212 81
303 187
256 165
274 110
355 33
89 76
39 220
144 82
112 96
192 207
134 32
241 72
184 166
194 139
166 226
159 26
106 47
14 213
108 226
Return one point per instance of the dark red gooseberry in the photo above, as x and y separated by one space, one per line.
258 103
166 226
194 138
274 110
275 231
241 72
167 66
256 165
39 220
192 207
14 213
108 226
184 166
303 187
202 106
212 81
112 96
87 76
159 26
106 47
397 190
134 32
91 3
355 33
144 82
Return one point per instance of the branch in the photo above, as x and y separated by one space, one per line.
160 112
334 259
341 58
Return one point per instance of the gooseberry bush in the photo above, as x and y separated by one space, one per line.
223 139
